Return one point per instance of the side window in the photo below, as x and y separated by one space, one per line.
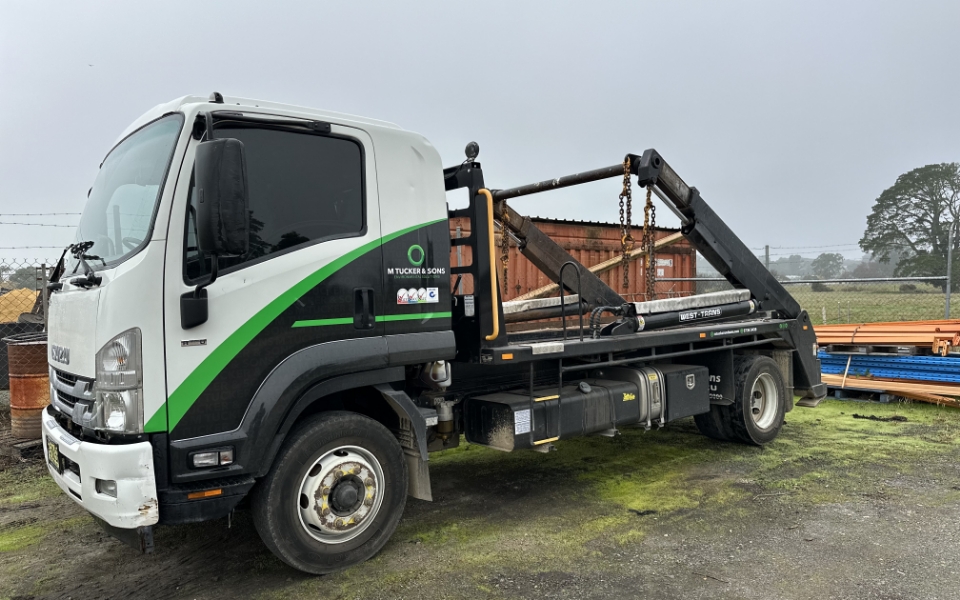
304 188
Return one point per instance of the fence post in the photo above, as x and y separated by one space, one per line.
949 272
44 278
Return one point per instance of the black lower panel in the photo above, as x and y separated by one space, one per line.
176 507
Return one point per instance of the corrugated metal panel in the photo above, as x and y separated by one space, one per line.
590 244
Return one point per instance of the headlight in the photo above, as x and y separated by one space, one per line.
119 389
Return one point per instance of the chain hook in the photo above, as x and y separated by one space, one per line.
626 218
648 244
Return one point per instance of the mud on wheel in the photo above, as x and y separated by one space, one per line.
334 495
756 415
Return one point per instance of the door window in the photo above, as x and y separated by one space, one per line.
304 188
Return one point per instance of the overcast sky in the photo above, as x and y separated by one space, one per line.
790 118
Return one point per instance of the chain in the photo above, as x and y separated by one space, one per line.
647 243
626 235
504 242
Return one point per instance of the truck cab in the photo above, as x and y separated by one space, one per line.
345 273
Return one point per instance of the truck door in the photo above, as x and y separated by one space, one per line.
312 275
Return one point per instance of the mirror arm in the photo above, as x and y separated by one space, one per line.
214 265
208 119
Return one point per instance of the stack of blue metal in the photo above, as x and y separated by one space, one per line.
916 368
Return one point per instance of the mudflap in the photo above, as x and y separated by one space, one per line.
140 539
810 402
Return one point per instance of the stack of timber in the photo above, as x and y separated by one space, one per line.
940 337
906 358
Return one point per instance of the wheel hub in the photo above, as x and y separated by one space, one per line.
347 495
340 494
764 401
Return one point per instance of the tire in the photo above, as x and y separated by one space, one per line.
334 495
713 424
756 415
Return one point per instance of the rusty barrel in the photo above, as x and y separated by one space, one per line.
29 382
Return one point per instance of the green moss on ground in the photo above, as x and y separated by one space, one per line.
525 511
28 486
28 482
19 537
596 492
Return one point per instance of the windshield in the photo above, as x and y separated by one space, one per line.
119 214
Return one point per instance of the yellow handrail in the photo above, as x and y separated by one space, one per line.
493 271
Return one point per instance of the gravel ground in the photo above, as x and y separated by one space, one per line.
839 507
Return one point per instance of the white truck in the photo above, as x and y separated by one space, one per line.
260 302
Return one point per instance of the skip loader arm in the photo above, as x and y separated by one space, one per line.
704 229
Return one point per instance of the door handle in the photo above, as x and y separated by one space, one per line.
363 317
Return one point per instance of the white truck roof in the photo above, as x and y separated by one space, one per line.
185 103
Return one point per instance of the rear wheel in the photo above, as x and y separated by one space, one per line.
713 424
756 415
334 495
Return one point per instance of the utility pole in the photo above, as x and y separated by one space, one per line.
766 256
949 271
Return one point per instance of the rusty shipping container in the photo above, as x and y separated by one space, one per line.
590 243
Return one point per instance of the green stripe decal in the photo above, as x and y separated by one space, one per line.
381 319
324 322
158 422
187 393
414 317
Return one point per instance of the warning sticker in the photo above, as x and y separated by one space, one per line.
429 295
521 421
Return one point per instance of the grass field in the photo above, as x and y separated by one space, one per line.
871 302
864 302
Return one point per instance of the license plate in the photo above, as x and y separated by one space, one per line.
53 456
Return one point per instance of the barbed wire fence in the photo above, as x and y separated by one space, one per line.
23 299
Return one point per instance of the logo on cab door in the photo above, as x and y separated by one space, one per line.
418 270
60 354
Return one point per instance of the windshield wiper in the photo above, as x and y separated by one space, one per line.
79 251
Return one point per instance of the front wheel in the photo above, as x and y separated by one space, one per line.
334 495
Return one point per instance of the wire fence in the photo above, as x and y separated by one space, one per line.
845 300
22 303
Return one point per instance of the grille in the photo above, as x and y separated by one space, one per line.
66 398
66 378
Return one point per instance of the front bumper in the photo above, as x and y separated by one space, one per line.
130 465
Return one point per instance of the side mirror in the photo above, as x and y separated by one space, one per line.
223 217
